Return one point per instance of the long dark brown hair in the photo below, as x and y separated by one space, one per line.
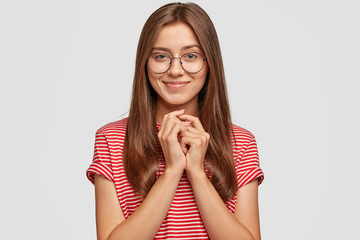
140 151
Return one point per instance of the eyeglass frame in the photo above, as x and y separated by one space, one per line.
181 63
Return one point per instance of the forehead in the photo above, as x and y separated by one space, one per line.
176 36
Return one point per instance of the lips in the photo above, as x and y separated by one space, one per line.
175 84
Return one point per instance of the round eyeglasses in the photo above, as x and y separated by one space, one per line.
191 62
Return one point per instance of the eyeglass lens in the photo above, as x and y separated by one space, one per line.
161 62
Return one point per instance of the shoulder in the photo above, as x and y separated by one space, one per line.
241 134
246 156
113 129
242 139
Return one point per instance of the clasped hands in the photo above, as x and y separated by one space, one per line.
184 142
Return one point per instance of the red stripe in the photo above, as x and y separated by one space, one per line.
183 219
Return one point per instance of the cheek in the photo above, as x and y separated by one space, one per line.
205 71
204 78
155 82
204 74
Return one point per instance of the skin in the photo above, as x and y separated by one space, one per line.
176 110
175 40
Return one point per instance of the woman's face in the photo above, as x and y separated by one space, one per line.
177 88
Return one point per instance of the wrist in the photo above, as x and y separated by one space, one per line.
196 175
173 173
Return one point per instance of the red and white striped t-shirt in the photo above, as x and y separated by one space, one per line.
183 221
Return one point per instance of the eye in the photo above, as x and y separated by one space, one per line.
160 57
190 56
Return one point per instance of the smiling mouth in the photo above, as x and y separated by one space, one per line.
176 84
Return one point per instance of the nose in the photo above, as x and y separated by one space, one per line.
175 67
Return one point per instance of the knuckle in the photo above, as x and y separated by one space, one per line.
171 119
207 136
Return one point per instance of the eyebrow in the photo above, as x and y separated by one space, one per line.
183 48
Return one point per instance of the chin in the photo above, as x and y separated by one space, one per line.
176 101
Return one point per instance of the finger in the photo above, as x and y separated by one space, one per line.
174 113
178 112
169 115
194 130
191 141
194 120
170 123
203 137
191 132
184 147
187 123
173 132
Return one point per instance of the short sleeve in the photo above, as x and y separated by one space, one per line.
247 164
102 159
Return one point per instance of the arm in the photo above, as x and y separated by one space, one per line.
110 220
218 221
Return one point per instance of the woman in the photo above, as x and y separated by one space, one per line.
177 168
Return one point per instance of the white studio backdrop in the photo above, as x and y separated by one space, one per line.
292 69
